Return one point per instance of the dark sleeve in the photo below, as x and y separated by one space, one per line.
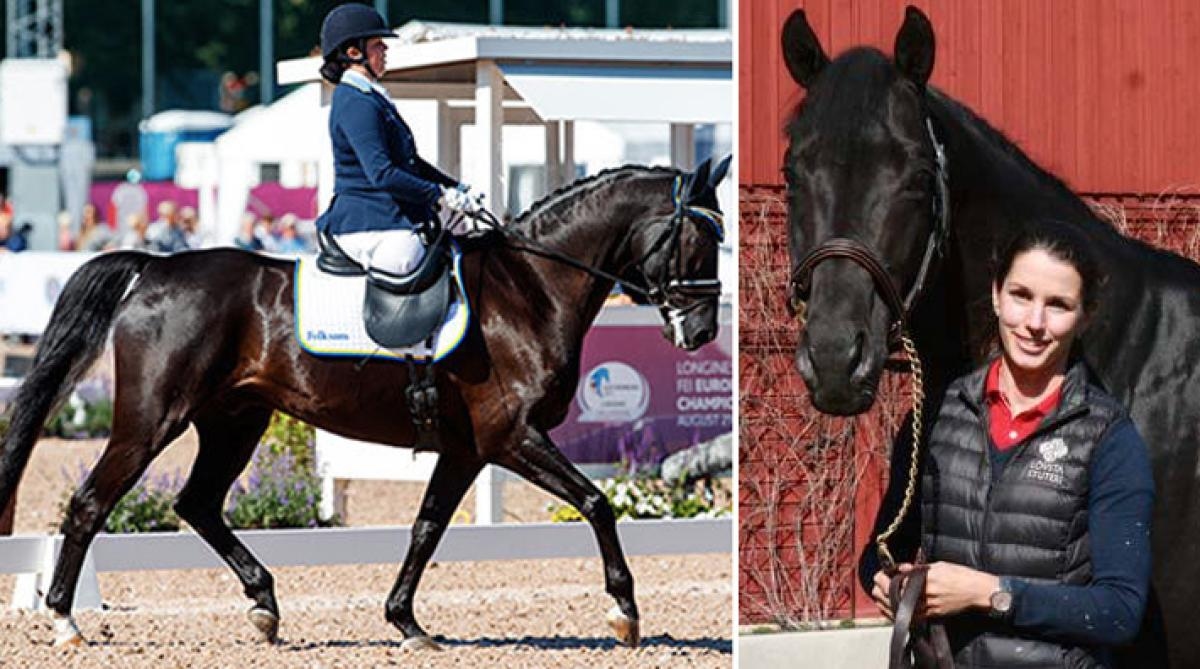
1107 611
361 122
430 173
904 543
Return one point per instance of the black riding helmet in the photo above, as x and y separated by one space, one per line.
346 24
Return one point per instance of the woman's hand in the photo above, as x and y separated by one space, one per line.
880 592
952 588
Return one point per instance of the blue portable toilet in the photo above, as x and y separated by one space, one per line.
159 134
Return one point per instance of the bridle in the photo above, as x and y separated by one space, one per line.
668 290
851 249
900 309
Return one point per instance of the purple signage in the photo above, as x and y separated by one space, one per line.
639 397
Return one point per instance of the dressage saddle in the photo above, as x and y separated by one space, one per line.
398 310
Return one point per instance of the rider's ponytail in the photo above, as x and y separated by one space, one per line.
337 63
332 69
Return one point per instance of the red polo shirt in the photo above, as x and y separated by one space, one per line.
1006 429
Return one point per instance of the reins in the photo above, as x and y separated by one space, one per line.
658 294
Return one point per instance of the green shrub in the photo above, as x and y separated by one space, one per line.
637 496
282 489
147 507
75 419
98 418
287 434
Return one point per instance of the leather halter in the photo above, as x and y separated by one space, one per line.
865 257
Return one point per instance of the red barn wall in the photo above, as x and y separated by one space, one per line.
1103 93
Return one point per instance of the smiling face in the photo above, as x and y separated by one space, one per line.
1039 311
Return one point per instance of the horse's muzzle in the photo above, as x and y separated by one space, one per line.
841 375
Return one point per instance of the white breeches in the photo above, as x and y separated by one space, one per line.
394 251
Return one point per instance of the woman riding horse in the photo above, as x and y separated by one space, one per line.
207 339
383 191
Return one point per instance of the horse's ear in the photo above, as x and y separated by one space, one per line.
719 172
698 181
915 46
801 50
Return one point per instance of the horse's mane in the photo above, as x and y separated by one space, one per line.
997 141
862 77
565 195
550 206
1167 263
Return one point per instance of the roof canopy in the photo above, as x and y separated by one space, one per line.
669 76
490 76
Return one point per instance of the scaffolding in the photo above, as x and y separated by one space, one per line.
35 28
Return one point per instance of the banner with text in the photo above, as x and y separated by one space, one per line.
639 397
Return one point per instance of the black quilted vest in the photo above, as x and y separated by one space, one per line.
1032 523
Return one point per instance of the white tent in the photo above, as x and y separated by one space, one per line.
290 133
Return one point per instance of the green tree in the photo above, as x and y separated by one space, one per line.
197 42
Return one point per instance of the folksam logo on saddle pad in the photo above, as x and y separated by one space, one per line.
612 392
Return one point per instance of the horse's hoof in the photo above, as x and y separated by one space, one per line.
265 622
66 632
625 628
418 644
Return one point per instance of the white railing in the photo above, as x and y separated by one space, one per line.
33 556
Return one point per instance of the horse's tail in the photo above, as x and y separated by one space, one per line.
74 338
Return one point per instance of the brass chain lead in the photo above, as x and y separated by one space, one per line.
918 401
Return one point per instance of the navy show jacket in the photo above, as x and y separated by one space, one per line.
380 183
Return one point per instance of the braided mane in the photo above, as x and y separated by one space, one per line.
565 195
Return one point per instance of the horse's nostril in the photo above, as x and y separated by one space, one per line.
804 362
860 364
856 351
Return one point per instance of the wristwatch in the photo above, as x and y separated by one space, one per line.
1001 601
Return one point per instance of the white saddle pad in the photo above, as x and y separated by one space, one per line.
329 316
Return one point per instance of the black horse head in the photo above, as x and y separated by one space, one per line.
865 191
679 258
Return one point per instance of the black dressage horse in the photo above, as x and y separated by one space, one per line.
863 165
207 338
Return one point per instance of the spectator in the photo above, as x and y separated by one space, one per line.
288 240
247 238
128 198
165 234
12 240
66 241
265 231
135 236
189 224
93 236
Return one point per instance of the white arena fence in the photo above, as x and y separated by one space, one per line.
35 281
33 556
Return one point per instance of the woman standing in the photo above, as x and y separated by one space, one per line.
383 191
1036 489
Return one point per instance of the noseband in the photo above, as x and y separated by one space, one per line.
862 255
